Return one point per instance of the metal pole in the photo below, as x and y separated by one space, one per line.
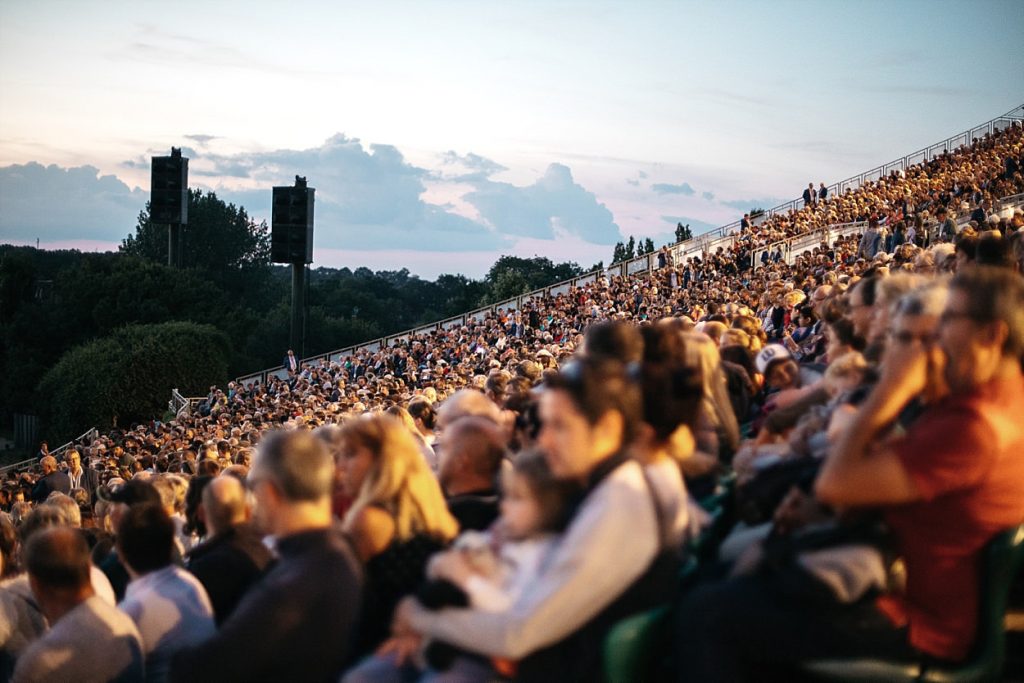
298 306
172 245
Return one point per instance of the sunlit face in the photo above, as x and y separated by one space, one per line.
565 435
520 510
860 314
356 463
958 338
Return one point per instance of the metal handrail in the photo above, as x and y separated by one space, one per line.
91 434
699 243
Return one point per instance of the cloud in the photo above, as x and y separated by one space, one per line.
54 203
201 139
469 167
634 183
666 188
555 202
641 174
708 195
368 197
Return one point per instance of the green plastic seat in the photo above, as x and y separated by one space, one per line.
1001 560
634 646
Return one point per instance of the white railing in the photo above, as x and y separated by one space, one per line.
182 406
57 452
723 236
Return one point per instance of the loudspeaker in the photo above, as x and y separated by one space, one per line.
168 202
291 235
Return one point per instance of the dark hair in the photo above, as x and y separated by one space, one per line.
145 537
8 544
843 329
597 386
423 410
58 558
868 288
968 246
672 394
614 340
193 497
992 250
995 294
552 495
209 468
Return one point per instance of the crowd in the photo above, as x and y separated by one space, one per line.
486 501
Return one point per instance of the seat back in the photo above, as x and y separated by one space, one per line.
1001 560
632 647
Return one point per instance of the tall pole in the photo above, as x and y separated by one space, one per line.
298 307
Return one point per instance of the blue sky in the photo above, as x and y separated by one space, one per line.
442 134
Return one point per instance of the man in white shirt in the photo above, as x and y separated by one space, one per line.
168 605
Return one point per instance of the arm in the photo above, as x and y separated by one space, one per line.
858 474
602 553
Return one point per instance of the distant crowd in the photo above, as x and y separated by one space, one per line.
486 502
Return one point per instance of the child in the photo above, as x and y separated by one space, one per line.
488 571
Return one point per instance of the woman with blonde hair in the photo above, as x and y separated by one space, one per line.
397 520
718 432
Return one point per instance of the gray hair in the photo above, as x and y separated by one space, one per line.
297 463
927 300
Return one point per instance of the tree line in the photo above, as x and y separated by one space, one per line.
94 339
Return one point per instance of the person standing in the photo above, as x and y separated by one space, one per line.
52 480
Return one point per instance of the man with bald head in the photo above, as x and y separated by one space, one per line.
296 622
467 402
470 458
52 480
89 639
233 557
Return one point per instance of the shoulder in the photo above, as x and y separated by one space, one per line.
372 530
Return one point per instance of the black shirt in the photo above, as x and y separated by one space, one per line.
295 624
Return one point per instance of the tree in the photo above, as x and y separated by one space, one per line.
512 275
631 248
619 253
648 246
683 232
128 376
218 236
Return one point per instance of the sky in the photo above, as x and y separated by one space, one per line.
440 135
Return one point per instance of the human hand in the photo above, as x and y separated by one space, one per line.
401 621
402 649
453 566
796 510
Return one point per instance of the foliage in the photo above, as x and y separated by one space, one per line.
218 236
54 301
511 276
683 232
128 376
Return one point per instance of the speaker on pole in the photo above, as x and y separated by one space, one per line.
291 235
168 203
291 241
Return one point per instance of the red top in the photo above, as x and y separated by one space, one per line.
966 455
